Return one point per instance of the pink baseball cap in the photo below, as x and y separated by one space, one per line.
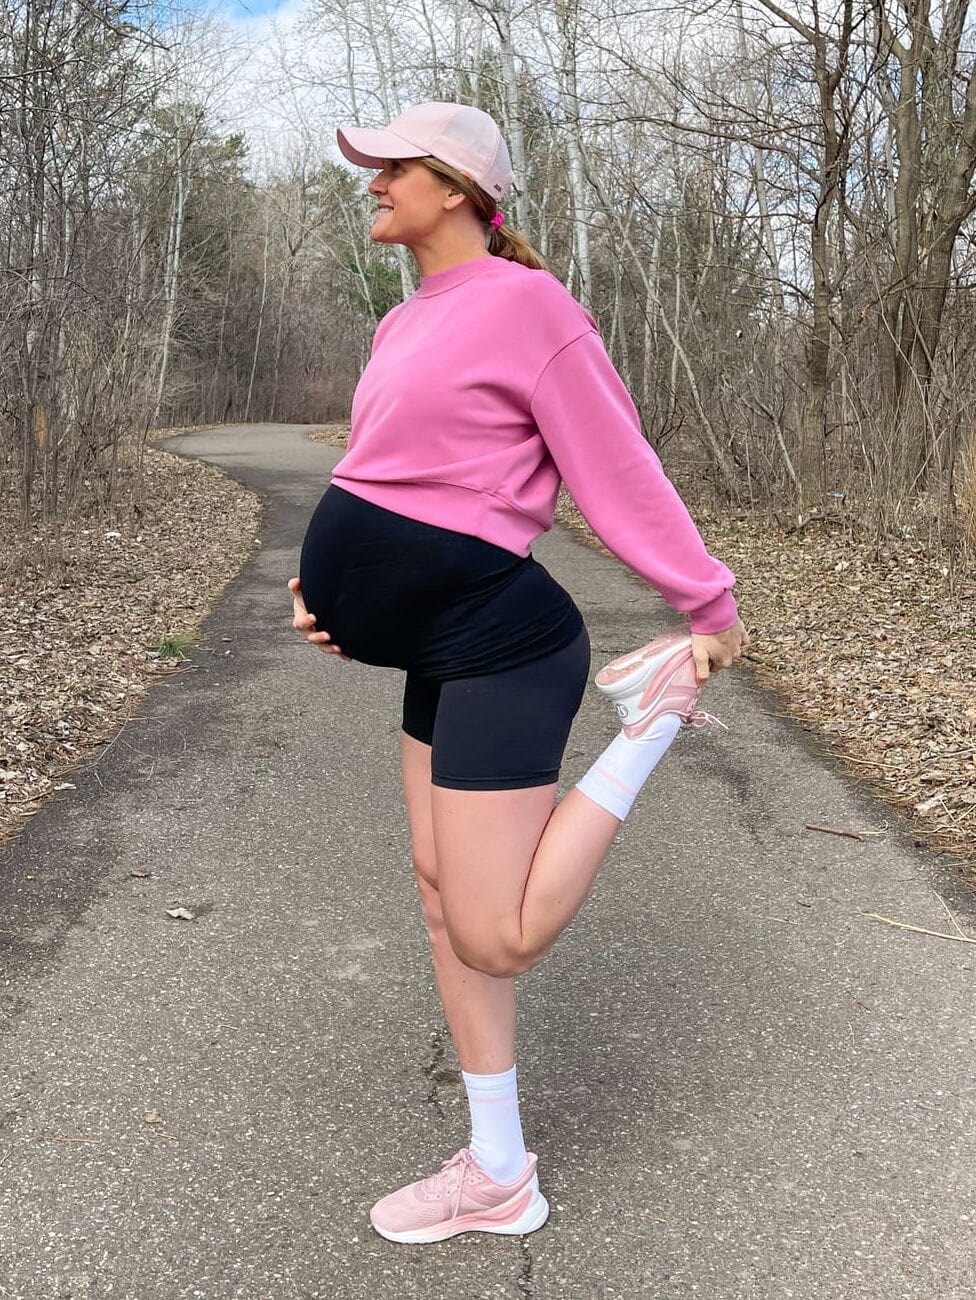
457 134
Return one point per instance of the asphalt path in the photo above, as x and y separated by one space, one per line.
740 1086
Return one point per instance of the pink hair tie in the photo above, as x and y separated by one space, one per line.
498 219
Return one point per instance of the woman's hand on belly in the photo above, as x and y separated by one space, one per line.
304 622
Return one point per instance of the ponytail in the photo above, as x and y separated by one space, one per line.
505 242
501 241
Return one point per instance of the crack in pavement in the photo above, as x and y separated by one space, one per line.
433 1071
523 1283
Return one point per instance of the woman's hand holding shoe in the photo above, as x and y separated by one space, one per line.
719 650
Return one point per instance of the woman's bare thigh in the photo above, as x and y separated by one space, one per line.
415 770
484 844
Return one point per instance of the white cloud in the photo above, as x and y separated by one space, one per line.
251 70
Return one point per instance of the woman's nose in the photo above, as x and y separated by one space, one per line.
372 185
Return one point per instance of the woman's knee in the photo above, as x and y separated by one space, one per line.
425 870
498 954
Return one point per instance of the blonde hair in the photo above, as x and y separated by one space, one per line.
502 241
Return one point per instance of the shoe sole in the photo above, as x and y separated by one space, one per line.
529 1216
652 669
628 674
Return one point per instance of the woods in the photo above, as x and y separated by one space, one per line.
767 207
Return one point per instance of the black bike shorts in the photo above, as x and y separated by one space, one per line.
499 731
495 650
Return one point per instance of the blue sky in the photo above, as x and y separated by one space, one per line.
249 8
164 11
228 57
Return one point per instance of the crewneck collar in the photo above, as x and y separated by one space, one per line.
441 281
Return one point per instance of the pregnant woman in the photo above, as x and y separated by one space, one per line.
485 388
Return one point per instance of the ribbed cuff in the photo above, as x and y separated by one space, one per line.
717 616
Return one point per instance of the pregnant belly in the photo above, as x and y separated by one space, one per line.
376 580
375 614
398 593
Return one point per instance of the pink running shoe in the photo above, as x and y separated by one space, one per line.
461 1198
658 678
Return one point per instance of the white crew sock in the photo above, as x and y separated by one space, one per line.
496 1129
615 779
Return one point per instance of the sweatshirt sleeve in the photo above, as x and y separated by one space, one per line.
591 427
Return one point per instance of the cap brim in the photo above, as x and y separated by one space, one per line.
367 147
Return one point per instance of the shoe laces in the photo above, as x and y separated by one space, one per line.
699 718
452 1177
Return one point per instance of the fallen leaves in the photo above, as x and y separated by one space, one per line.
331 435
85 604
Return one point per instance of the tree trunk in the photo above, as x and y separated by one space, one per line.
171 273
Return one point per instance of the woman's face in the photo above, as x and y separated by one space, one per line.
410 202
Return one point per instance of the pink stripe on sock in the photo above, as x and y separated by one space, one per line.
607 776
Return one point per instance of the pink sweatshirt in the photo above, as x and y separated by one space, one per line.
487 386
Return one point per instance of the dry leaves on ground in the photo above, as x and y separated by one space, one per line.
332 435
85 605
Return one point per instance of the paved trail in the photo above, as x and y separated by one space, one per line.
740 1087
